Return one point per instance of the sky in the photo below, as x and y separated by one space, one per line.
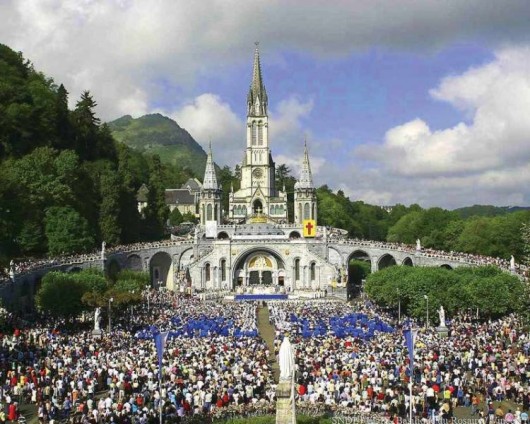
400 101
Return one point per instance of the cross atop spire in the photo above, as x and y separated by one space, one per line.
306 178
210 178
257 95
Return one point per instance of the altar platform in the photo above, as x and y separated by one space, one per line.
261 296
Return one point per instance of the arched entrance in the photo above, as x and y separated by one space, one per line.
134 262
161 270
407 262
359 266
260 269
385 261
257 206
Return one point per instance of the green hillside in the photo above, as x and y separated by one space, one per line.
157 134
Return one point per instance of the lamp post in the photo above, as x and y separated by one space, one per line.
427 300
399 306
147 295
132 308
110 303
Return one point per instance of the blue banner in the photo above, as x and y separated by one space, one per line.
160 344
410 340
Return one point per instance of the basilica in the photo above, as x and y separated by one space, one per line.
256 246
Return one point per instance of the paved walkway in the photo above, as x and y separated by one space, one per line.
267 332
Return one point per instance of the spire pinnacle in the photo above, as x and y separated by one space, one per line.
257 95
306 178
210 179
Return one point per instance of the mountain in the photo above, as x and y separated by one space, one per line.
158 134
488 210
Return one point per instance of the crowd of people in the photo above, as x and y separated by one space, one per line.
350 360
477 364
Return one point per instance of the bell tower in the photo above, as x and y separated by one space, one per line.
305 195
210 201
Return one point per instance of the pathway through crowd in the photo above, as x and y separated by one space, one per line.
267 333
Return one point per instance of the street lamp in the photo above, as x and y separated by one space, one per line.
427 299
147 295
132 307
110 303
399 306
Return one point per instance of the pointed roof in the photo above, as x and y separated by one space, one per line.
257 95
210 178
306 178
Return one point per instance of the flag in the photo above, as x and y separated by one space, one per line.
410 340
310 227
160 344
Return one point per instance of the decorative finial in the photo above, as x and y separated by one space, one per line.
256 43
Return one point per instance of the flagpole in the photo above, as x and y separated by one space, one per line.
160 388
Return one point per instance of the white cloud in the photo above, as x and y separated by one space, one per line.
207 117
483 161
119 49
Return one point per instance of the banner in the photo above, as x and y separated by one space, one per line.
160 344
410 340
310 228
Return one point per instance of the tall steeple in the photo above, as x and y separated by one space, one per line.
306 178
210 179
305 195
257 95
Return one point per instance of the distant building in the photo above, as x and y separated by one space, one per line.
185 198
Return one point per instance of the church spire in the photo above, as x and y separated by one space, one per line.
306 179
210 179
257 95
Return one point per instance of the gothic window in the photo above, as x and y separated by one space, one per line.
223 270
313 271
306 211
244 210
209 213
313 212
215 213
207 272
281 209
297 269
300 216
254 133
260 135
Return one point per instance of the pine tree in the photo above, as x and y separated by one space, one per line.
109 212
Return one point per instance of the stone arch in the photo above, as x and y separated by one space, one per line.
134 262
186 257
223 235
161 270
446 266
74 269
386 261
357 272
294 235
407 262
240 263
257 205
113 269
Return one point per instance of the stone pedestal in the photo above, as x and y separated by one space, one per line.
285 410
442 331
97 333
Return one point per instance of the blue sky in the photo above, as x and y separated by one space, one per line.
400 101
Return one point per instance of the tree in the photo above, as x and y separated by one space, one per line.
67 231
156 211
175 217
86 126
493 292
109 212
60 295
